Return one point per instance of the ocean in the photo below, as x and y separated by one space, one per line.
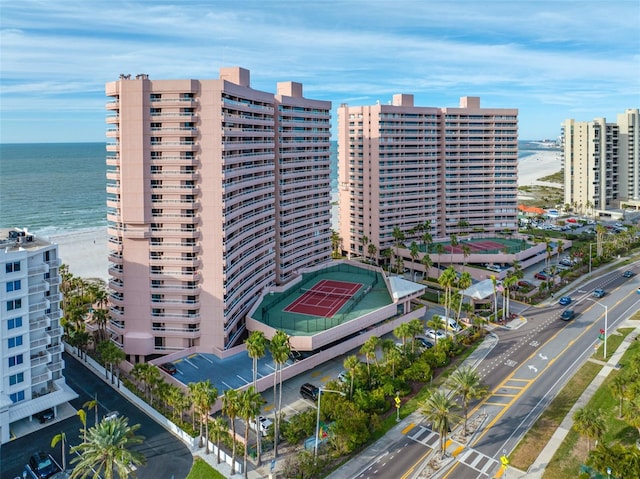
56 188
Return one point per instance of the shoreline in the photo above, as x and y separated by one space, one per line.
85 251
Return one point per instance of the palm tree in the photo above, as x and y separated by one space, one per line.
439 409
454 244
398 236
439 251
256 348
250 402
231 407
177 399
508 283
280 350
494 280
365 241
466 384
100 317
447 280
618 386
414 252
62 439
372 251
427 263
464 282
149 376
466 251
107 451
350 364
93 404
369 350
559 248
589 423
403 332
336 241
82 414
218 430
111 356
204 395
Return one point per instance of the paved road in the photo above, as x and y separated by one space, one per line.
167 457
524 372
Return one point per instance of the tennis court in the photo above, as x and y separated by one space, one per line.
307 308
325 298
485 246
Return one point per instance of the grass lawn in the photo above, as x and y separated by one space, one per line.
202 470
573 451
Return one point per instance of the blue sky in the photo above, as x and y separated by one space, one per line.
550 59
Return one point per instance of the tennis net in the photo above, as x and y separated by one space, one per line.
326 294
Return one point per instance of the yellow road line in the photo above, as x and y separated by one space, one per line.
458 451
408 428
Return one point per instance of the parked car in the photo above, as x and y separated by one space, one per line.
567 315
541 275
169 368
264 422
309 391
598 293
435 335
628 274
525 284
110 416
424 342
46 415
43 465
564 300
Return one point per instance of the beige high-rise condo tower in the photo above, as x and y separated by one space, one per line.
215 191
401 166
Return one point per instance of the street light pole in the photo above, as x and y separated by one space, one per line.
606 326
320 391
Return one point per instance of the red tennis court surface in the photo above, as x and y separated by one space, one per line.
475 246
325 298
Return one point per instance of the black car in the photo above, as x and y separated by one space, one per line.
309 391
43 465
169 368
46 415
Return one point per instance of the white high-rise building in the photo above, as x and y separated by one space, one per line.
31 348
602 162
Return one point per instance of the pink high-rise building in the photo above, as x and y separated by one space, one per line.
401 166
215 191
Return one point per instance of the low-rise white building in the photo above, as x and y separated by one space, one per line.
31 363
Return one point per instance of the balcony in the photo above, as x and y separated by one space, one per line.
39 287
42 357
41 268
40 306
41 378
41 322
39 342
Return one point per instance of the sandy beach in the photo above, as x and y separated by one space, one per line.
86 252
538 165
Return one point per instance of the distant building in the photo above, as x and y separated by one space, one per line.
401 165
215 191
30 333
602 163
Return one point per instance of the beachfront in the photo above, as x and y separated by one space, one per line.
86 252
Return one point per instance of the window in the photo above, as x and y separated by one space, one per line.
14 342
12 267
16 379
14 304
15 397
14 323
16 360
13 285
